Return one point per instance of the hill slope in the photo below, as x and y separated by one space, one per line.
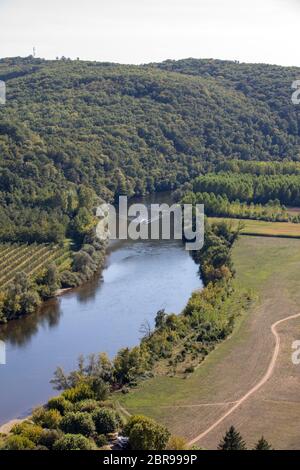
130 129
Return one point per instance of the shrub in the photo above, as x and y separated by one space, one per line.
17 442
105 420
80 392
101 440
49 419
100 389
73 442
60 404
69 279
88 405
145 434
78 423
177 443
49 437
26 429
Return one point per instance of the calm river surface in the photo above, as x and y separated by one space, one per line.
104 315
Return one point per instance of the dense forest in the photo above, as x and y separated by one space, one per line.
72 131
251 188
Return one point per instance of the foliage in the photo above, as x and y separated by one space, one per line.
26 429
49 419
17 442
232 441
128 130
128 364
60 404
106 420
217 205
259 189
93 372
177 443
145 434
262 444
88 405
80 392
73 442
49 437
77 423
101 440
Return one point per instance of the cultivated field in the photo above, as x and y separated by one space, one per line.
270 268
262 228
30 259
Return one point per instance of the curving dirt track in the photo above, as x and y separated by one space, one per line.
254 389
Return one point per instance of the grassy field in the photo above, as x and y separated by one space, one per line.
262 228
270 268
30 259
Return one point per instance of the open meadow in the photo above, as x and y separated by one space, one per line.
270 269
263 228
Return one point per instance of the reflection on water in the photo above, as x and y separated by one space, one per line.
19 332
104 315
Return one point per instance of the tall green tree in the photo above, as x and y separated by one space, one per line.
263 444
146 434
232 441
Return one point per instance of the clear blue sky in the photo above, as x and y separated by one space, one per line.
140 31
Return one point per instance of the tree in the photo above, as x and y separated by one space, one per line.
73 442
16 442
105 420
232 440
49 419
128 364
160 318
60 404
146 434
51 280
78 423
33 432
145 329
263 444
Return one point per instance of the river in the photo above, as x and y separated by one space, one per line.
105 314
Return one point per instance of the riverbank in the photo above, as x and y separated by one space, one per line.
104 314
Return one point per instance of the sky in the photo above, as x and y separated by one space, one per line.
142 31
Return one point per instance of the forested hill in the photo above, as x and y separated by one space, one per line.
268 84
71 125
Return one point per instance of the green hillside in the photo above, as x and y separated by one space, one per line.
71 126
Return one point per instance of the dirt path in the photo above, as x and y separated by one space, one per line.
254 389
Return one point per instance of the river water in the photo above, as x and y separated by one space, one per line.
105 314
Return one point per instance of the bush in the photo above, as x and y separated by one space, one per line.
80 392
100 389
78 423
73 442
145 434
177 443
17 442
101 440
69 279
26 429
49 419
60 404
88 405
49 437
105 420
